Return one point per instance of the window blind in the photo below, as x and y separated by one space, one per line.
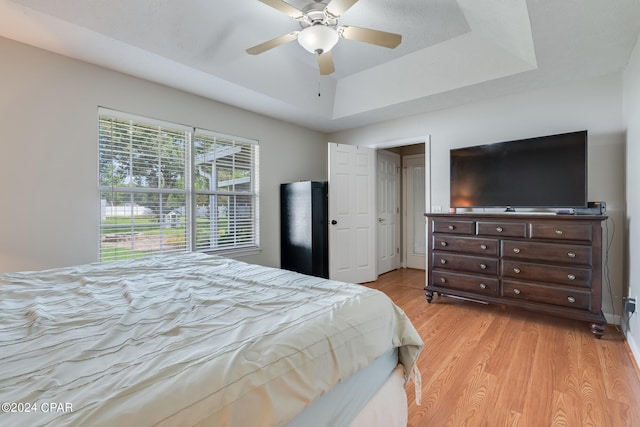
169 188
225 183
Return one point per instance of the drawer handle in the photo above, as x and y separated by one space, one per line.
516 250
483 266
451 227
571 300
559 232
443 261
516 270
571 276
483 247
443 280
499 229
571 254
483 286
443 244
516 291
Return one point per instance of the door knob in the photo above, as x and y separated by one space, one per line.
381 219
334 222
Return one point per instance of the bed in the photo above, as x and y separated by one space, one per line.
196 339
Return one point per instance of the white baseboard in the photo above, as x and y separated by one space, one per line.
635 351
612 319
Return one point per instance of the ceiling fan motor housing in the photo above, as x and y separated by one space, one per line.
316 14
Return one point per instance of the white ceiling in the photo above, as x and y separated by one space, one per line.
452 51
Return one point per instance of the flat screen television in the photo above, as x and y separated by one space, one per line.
542 172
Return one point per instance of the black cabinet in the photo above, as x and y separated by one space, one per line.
303 228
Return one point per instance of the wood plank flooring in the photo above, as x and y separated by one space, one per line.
484 365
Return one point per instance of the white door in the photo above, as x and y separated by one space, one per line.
388 210
415 207
352 215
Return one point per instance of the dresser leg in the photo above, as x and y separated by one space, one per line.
429 296
598 329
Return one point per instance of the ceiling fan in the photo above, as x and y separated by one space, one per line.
320 31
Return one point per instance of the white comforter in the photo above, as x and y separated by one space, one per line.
183 340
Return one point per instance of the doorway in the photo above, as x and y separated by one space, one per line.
354 250
415 198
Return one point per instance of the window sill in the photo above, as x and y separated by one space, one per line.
240 252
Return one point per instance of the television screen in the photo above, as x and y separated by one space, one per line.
543 172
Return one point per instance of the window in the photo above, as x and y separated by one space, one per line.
171 188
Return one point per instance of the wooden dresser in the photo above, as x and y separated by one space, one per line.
546 263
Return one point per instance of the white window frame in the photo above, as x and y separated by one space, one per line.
247 245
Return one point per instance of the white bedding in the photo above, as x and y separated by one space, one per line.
184 340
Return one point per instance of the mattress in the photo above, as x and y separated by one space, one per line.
188 339
341 405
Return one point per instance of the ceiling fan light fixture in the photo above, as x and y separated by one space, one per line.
318 38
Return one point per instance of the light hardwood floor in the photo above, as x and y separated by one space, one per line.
484 365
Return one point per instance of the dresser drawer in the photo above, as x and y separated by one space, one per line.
465 263
463 282
574 276
454 226
552 252
566 297
502 229
561 231
470 245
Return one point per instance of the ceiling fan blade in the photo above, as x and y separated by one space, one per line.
380 38
336 8
325 62
263 47
284 7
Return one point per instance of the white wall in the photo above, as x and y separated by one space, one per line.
595 105
632 226
48 153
